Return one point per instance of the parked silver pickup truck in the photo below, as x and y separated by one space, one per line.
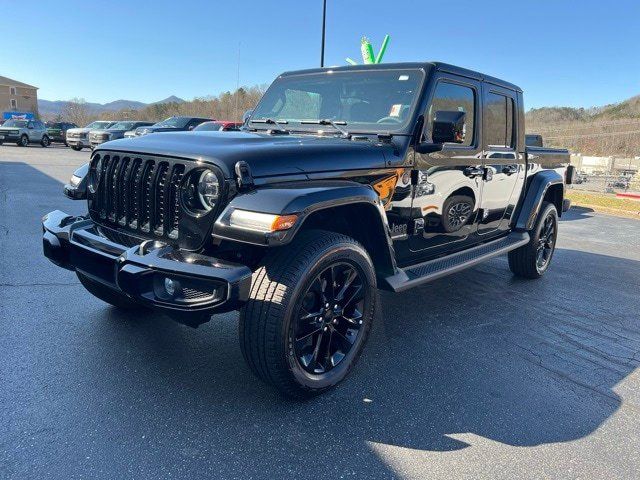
78 138
24 132
115 131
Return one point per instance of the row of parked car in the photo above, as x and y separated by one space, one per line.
23 132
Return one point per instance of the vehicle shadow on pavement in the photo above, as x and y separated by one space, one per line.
480 352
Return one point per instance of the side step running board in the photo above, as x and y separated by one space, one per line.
433 269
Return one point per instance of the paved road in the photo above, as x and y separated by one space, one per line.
478 375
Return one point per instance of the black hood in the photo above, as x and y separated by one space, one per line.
267 155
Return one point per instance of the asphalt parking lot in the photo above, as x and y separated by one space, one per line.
478 375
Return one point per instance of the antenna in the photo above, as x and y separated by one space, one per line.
324 26
235 115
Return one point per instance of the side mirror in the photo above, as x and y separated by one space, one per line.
246 116
448 127
76 189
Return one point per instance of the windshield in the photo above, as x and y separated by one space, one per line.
15 123
122 126
208 127
367 100
54 125
98 125
176 122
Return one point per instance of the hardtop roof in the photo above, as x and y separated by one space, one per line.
438 66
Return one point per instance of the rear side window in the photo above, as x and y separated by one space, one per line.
457 98
498 127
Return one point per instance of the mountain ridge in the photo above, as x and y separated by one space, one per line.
57 107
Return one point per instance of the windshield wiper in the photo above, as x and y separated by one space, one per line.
327 121
271 121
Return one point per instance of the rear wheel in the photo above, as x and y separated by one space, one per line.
532 260
309 314
108 295
77 148
45 142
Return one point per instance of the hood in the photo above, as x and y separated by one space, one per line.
267 155
151 128
108 130
79 130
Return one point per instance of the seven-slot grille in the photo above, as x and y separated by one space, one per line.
139 194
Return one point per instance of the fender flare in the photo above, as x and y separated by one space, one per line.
294 198
302 199
538 185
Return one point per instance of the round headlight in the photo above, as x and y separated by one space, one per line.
208 189
94 176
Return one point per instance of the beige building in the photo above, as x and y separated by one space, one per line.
17 97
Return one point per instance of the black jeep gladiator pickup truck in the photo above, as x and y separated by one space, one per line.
344 181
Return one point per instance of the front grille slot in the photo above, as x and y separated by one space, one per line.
139 194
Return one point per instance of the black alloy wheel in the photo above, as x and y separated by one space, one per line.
309 313
329 318
533 259
546 242
24 141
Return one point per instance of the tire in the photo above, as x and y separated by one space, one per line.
292 284
24 141
108 295
526 260
45 142
456 212
77 148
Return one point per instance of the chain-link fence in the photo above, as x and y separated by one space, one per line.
604 183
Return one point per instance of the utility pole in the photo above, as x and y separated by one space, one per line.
235 114
324 26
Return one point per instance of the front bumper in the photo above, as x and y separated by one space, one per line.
78 142
95 142
202 285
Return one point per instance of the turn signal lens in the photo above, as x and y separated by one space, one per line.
284 222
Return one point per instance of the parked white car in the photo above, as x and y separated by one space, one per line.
78 138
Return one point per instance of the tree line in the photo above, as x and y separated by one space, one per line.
226 106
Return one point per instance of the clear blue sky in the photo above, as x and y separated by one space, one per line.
561 52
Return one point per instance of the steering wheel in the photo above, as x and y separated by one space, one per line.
389 120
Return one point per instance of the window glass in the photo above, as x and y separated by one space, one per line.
364 100
499 121
456 98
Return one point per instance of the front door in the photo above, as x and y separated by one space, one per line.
449 182
504 167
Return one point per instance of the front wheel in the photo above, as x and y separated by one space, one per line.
532 260
77 148
309 314
24 141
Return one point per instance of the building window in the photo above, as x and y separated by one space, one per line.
14 104
13 91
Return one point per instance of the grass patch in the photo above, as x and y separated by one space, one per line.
604 202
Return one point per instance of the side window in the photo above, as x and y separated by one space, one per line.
499 125
14 104
13 91
457 98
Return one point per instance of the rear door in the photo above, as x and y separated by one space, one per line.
504 167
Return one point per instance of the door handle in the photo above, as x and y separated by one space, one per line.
510 169
473 172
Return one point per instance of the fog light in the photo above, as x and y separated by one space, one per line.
170 286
